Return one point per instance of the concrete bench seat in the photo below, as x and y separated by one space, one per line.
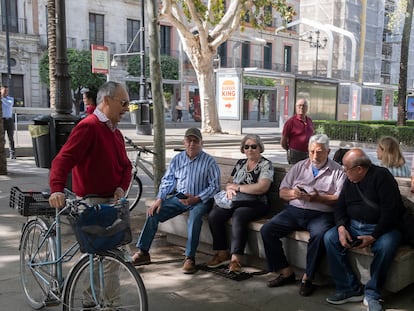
400 275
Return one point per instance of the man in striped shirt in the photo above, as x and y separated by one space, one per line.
195 177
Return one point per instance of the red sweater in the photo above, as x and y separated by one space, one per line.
98 158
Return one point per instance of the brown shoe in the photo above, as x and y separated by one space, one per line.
235 266
140 258
218 260
189 266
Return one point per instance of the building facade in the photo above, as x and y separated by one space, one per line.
318 49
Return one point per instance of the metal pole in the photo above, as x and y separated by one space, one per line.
9 78
63 97
317 52
143 126
142 88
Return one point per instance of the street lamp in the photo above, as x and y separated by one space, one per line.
9 78
314 42
144 127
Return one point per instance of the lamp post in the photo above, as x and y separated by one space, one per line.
318 44
143 126
9 79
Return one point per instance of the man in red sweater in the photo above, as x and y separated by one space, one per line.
296 133
95 152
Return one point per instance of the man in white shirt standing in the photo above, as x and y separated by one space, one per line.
7 103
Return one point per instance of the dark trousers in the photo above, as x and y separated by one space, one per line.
8 125
296 219
240 218
294 156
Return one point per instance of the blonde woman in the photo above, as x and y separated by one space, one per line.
391 157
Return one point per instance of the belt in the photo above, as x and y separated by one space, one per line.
7 118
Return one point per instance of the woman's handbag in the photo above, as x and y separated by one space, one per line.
221 200
245 200
102 227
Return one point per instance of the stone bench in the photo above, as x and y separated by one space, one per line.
400 275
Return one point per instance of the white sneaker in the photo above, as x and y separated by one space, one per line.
374 305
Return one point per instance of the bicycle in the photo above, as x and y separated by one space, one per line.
98 281
134 191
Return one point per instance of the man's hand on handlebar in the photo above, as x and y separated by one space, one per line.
57 199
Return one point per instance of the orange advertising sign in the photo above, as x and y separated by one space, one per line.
228 99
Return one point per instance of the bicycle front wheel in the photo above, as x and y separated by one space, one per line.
134 192
36 249
114 285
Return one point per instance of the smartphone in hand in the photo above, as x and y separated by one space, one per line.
355 242
302 189
181 195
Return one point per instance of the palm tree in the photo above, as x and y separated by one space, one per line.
51 38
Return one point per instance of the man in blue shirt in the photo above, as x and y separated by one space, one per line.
7 103
195 176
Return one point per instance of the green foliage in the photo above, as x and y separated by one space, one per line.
80 70
365 131
252 12
169 69
257 94
259 15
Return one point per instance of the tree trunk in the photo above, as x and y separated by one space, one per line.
157 93
51 42
206 82
3 158
405 44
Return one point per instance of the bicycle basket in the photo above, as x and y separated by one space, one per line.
30 203
102 227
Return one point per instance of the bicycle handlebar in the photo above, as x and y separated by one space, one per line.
136 147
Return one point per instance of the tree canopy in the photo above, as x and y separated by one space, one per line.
204 25
80 71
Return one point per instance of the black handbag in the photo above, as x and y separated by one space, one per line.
247 200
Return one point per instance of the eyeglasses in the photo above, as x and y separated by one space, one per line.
124 102
349 169
254 147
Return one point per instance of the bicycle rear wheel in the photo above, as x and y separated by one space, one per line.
35 278
134 192
117 285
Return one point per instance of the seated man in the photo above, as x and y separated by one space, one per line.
311 187
195 175
367 211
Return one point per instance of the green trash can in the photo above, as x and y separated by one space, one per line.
41 144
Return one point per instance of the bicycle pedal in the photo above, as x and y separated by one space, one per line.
49 302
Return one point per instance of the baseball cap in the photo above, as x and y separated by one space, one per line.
194 132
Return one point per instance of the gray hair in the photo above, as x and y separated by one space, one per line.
319 139
107 89
254 137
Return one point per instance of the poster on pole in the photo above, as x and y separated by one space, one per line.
228 97
100 59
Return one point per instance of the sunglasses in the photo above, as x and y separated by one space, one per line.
254 147
124 102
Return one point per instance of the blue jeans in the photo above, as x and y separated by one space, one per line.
170 208
292 219
384 249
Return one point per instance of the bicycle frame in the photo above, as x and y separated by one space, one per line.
69 253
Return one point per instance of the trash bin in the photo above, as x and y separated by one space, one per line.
151 112
40 133
134 112
143 125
